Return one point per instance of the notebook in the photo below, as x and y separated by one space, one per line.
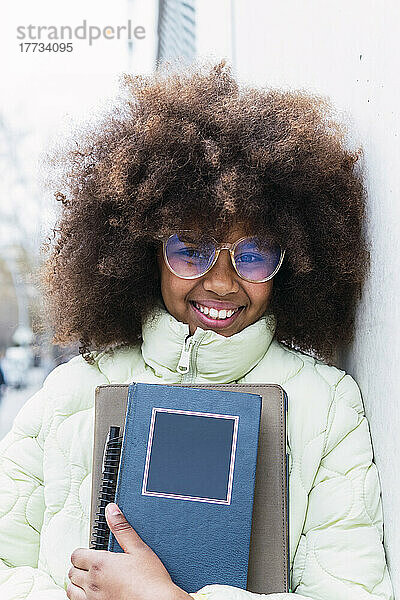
266 569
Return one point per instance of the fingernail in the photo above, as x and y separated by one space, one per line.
113 509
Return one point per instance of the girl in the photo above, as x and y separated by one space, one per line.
209 233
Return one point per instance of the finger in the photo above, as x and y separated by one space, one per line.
126 536
82 558
78 577
75 593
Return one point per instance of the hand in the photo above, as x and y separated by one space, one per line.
138 574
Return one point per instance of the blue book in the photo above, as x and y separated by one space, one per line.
186 479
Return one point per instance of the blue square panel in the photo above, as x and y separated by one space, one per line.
190 455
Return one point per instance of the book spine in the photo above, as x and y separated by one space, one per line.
101 531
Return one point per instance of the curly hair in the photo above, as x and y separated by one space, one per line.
193 146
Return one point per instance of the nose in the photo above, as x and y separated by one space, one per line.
222 278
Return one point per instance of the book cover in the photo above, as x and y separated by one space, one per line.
186 479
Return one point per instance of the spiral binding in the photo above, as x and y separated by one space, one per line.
101 531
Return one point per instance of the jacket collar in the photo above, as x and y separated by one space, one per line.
169 349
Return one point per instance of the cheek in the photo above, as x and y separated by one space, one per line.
260 294
174 289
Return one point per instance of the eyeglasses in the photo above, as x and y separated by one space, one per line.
189 258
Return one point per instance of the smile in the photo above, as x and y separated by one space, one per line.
214 313
213 317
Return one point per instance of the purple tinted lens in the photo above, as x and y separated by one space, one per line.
256 263
187 258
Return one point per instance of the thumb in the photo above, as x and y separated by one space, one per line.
125 535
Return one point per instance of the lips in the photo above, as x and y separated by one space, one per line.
216 323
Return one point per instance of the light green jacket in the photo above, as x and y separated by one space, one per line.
336 529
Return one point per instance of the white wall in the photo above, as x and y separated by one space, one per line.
348 51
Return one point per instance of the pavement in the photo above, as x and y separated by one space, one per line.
12 399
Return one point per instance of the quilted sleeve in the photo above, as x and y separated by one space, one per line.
22 507
341 547
342 536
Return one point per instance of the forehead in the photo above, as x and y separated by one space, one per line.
234 233
225 233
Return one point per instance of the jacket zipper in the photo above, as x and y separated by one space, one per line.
185 364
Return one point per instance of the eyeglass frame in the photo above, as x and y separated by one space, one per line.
218 247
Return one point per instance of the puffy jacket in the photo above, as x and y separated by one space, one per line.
336 528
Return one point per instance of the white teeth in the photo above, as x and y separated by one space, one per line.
214 313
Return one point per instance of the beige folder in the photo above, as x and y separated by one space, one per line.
268 569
